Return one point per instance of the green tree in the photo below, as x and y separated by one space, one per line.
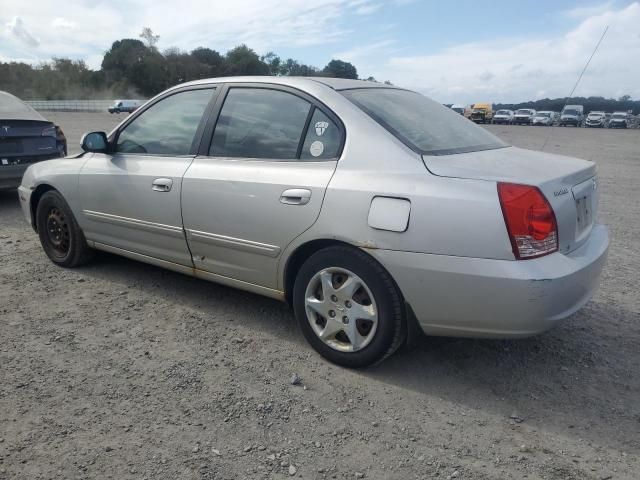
274 63
214 62
130 62
244 61
340 69
148 35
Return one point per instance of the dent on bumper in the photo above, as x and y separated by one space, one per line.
473 297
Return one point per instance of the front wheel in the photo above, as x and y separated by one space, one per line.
348 307
61 237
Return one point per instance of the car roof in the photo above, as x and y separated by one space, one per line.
300 82
12 108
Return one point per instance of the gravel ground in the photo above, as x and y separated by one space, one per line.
123 370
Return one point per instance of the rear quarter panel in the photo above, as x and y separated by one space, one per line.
448 216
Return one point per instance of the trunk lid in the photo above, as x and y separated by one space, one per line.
23 139
570 184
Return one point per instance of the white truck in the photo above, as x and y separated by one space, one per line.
126 106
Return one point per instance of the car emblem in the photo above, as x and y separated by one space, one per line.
321 127
562 191
595 184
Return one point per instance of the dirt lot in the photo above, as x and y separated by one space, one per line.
123 370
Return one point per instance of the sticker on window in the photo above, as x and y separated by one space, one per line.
316 148
321 127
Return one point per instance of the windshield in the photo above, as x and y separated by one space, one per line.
523 112
422 124
570 112
596 114
543 114
619 115
503 112
458 109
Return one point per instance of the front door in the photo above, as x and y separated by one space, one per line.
130 196
261 182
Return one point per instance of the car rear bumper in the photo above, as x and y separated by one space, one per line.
474 297
11 175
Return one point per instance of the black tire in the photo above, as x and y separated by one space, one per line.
391 328
59 232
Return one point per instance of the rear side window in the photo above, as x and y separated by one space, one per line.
168 127
260 123
424 125
322 140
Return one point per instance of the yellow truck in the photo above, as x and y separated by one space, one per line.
482 113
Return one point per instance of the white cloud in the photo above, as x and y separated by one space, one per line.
506 69
368 9
585 11
63 24
517 69
17 29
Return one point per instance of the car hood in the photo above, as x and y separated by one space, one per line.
510 164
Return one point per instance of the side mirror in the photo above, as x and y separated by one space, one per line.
94 142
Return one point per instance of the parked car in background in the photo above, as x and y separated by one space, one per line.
125 106
504 117
482 113
421 215
545 118
572 115
459 108
620 120
596 119
523 116
26 137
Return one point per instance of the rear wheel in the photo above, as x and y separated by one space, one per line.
348 307
60 235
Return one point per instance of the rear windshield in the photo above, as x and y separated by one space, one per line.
422 124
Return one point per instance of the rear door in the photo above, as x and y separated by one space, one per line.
260 179
131 196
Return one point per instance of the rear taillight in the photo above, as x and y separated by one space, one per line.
50 132
530 220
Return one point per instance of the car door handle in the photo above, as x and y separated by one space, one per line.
162 185
295 196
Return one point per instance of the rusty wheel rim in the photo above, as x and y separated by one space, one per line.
58 232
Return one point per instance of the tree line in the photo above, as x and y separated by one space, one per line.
134 68
622 104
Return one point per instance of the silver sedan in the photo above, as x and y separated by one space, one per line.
369 208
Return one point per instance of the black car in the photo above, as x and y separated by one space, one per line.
25 137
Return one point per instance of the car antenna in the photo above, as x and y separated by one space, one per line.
566 100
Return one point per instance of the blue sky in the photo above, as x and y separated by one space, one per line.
455 51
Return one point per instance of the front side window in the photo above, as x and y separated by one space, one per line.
168 127
260 123
424 125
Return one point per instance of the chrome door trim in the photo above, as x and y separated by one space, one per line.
235 243
134 223
194 272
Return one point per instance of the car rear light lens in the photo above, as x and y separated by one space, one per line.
530 220
50 132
